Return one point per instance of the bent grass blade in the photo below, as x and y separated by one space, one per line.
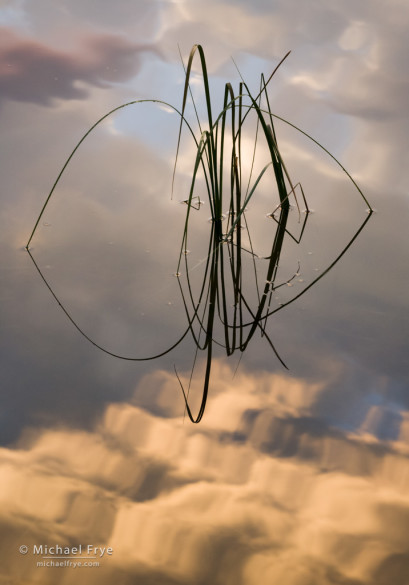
223 265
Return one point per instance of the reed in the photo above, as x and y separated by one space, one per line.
219 147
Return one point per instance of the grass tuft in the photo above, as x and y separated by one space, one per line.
222 300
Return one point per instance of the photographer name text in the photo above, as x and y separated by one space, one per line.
57 550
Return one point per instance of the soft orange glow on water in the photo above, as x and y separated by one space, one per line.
170 496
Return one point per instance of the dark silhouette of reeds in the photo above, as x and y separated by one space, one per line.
222 299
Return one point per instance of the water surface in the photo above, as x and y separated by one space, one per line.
294 476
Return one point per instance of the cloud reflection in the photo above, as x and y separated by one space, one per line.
166 495
31 71
268 494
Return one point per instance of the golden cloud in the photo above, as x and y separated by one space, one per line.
187 502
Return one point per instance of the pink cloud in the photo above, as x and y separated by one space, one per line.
33 72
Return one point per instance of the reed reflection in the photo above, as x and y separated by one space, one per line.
235 296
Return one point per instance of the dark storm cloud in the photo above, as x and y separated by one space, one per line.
31 71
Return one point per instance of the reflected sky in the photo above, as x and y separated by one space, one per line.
297 477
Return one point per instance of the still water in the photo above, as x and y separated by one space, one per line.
296 475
